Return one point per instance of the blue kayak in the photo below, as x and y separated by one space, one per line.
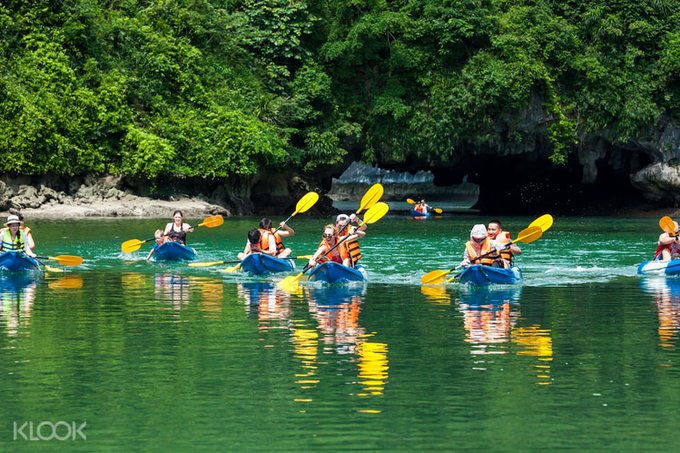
259 263
18 261
656 267
419 215
331 272
174 251
481 275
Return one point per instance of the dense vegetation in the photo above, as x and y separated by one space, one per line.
222 88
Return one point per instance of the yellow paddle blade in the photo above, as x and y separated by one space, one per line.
55 270
67 260
232 268
376 212
289 281
212 221
302 257
306 202
435 277
131 245
667 224
410 201
544 222
70 282
529 234
206 264
371 197
438 210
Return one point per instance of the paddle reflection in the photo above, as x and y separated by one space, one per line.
17 295
436 293
666 291
267 303
536 342
337 310
488 316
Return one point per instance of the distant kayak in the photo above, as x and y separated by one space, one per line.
420 215
259 264
655 267
18 261
481 275
174 251
331 272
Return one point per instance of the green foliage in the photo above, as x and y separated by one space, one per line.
224 89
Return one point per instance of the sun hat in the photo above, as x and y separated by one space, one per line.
478 231
341 218
12 219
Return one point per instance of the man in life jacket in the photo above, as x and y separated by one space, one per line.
13 238
267 235
479 249
27 231
344 229
500 240
668 247
253 245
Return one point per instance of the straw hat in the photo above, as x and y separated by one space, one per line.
12 219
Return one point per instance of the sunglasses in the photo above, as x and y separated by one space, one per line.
328 236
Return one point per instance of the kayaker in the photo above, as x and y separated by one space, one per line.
268 235
13 238
160 239
422 207
253 245
479 250
27 231
326 250
177 229
344 227
668 247
500 239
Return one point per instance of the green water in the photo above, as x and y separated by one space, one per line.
158 356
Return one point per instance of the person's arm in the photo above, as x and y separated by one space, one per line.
148 257
361 230
29 241
166 231
187 227
466 259
285 230
666 239
315 257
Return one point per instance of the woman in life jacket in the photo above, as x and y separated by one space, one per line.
351 245
327 250
500 239
13 239
479 250
177 229
268 235
668 247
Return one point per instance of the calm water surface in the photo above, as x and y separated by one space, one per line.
159 356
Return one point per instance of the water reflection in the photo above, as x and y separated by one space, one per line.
436 293
489 314
666 291
68 282
172 288
17 295
536 342
267 303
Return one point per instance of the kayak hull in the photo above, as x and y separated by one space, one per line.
419 215
260 264
481 275
18 261
331 272
174 251
671 267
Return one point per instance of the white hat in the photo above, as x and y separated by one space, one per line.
12 219
478 231
341 218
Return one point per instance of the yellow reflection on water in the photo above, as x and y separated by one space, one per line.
69 282
436 294
306 349
373 367
536 342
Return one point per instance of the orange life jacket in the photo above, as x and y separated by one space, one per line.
352 247
338 255
485 248
264 241
502 239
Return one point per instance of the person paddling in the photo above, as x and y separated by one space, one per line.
177 229
479 249
422 207
327 250
13 238
253 245
499 240
668 247
267 236
344 228
160 239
